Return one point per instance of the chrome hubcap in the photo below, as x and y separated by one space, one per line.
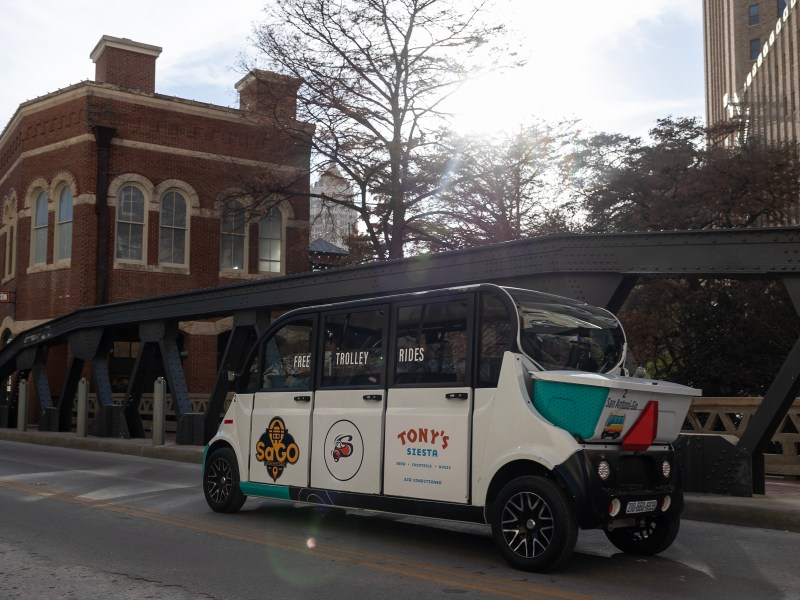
528 525
219 480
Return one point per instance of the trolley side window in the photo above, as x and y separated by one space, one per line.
353 349
287 357
495 339
431 343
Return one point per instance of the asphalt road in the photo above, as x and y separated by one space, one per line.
78 524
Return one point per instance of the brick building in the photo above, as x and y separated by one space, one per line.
111 191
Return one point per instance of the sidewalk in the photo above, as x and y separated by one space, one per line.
778 509
135 447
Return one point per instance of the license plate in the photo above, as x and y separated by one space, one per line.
640 506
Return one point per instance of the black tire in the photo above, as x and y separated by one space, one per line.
221 481
654 538
533 524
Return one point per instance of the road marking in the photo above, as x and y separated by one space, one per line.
439 574
130 486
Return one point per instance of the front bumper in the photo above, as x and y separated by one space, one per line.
634 491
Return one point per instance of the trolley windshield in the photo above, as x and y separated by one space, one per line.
559 333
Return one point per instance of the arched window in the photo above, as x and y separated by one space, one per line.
11 246
39 237
270 241
172 232
231 256
64 224
130 224
9 229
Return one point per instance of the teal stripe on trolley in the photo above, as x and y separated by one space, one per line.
265 490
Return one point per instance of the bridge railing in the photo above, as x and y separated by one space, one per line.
730 415
719 415
199 403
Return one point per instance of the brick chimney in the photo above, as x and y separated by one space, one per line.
268 93
123 62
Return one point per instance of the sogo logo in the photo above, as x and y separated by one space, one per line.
276 448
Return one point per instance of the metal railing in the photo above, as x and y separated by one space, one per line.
712 415
730 416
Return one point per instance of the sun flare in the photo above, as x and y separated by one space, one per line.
492 103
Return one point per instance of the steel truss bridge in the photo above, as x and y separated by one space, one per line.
600 269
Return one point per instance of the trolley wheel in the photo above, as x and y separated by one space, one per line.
221 481
655 537
533 524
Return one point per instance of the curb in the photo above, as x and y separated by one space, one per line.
781 513
132 447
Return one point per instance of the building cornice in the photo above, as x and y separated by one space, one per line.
175 151
103 90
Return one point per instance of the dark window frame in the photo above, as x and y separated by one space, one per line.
233 235
469 341
321 383
169 230
755 48
480 362
753 14
62 244
304 384
40 226
131 218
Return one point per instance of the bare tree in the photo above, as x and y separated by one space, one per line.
374 76
505 186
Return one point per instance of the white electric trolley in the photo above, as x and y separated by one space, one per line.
479 403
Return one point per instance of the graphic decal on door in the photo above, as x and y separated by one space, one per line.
344 450
342 447
276 448
422 457
428 459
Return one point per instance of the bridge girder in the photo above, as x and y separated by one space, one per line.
598 268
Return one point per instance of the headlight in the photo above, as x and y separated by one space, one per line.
603 469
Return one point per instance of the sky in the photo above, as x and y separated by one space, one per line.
614 65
